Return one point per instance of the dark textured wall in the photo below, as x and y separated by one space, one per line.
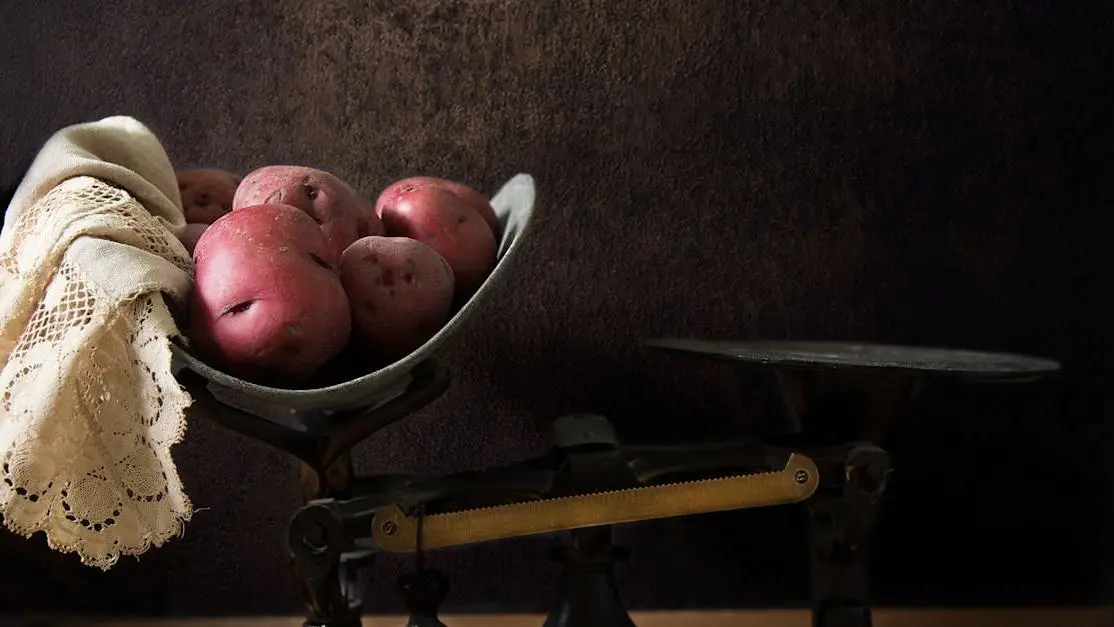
923 172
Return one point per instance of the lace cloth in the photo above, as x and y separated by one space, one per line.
90 265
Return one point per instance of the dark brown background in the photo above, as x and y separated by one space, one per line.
926 172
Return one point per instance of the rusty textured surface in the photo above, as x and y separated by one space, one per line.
900 172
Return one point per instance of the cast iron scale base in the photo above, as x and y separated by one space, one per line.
841 400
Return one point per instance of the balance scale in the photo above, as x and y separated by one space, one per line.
841 400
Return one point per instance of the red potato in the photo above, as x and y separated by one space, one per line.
207 193
439 219
474 199
400 292
343 214
267 303
191 235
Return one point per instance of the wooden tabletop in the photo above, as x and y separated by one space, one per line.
1068 617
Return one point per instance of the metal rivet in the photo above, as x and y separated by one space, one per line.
801 476
390 527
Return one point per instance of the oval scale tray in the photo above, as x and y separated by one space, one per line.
820 356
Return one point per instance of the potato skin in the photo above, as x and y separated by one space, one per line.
344 216
469 196
267 304
439 219
206 193
400 291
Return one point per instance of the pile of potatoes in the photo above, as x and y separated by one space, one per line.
293 269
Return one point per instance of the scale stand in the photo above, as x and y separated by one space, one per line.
842 399
588 593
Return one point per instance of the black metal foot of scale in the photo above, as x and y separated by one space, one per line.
841 398
840 525
588 595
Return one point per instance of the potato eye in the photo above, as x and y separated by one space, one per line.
239 308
